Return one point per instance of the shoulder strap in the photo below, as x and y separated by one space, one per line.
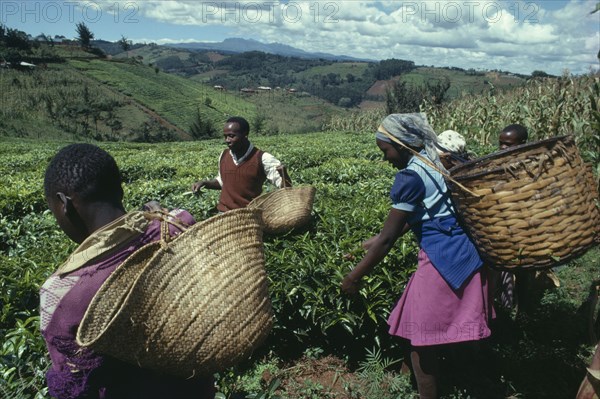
425 160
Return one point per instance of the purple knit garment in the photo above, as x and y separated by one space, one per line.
66 384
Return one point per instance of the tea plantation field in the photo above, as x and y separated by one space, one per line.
304 267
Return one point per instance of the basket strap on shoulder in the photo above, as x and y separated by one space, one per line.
425 160
165 219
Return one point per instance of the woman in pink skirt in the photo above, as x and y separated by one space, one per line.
445 300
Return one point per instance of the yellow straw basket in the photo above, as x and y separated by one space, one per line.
535 205
188 307
285 209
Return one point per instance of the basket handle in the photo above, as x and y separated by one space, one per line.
283 180
165 219
425 160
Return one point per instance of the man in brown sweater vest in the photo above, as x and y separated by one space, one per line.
243 169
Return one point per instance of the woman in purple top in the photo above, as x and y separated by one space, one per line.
83 190
445 300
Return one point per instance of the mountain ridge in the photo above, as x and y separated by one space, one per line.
240 45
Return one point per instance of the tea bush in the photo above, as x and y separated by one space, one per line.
304 268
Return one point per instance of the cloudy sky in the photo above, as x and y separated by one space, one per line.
517 36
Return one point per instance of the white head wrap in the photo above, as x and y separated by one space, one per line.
451 141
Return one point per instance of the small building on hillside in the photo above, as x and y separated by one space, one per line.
27 64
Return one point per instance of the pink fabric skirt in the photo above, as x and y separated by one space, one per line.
431 313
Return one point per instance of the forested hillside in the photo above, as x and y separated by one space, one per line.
344 83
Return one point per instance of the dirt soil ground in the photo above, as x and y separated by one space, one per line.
327 377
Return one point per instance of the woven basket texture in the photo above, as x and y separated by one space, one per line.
285 209
192 307
537 207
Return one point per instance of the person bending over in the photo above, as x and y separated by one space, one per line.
83 190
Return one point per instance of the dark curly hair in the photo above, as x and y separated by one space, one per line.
85 170
520 130
242 123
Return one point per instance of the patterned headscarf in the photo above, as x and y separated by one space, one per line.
451 141
414 131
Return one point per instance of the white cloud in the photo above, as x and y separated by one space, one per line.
506 29
520 36
169 40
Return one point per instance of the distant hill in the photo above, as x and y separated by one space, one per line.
106 94
112 48
343 83
238 45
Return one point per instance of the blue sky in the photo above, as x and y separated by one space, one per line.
518 36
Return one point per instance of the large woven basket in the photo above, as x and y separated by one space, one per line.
285 209
536 206
189 307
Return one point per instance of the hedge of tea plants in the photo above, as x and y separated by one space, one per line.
304 267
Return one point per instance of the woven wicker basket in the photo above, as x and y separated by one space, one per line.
188 307
285 209
536 206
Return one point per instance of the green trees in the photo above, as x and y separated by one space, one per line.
84 34
15 39
124 43
387 69
14 45
539 74
201 127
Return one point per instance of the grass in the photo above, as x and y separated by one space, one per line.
27 97
293 112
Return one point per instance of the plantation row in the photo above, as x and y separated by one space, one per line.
304 268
